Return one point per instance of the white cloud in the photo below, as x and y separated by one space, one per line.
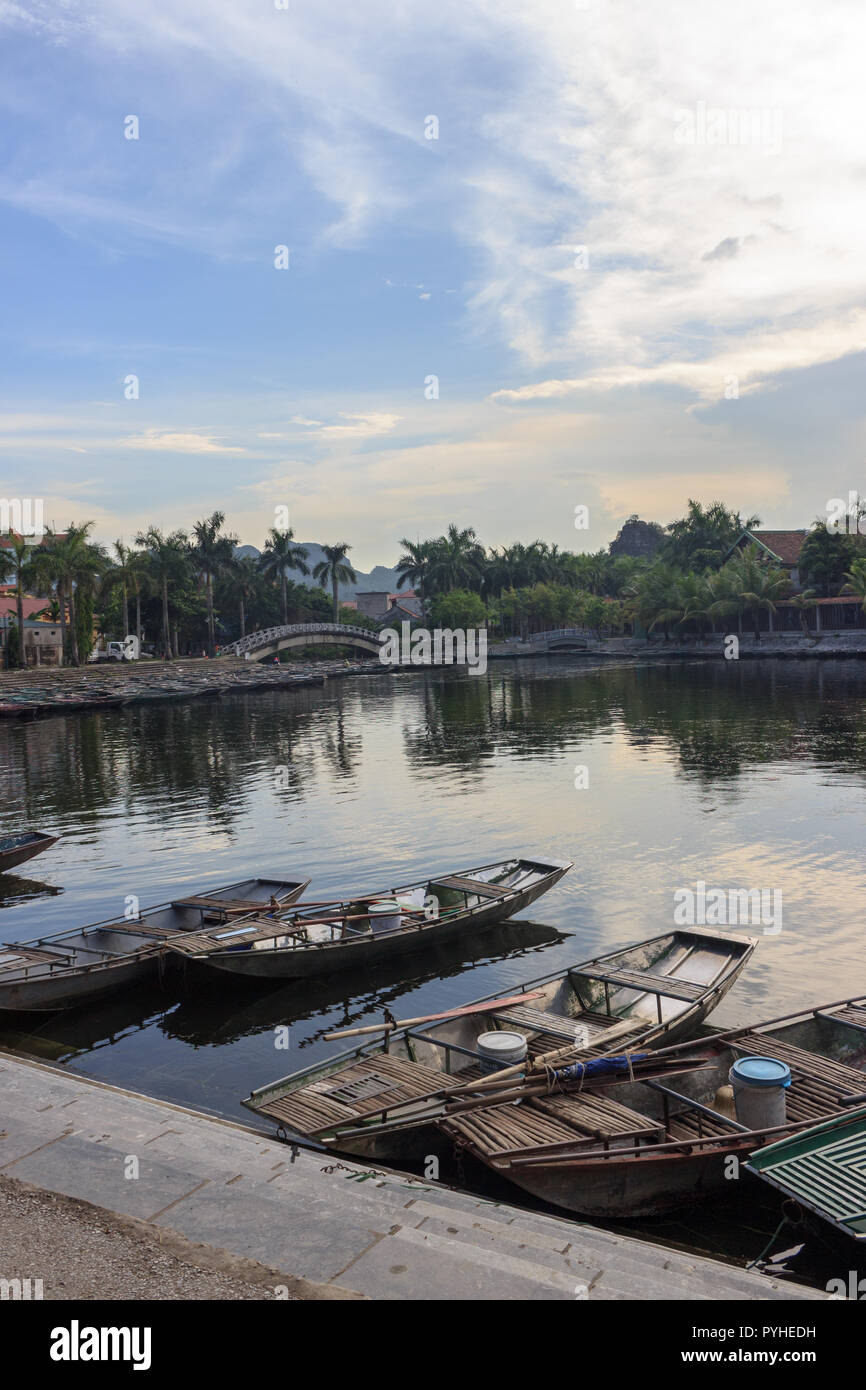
167 441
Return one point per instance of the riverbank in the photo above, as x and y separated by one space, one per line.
237 1205
35 693
793 646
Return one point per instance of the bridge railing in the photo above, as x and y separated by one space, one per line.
558 632
266 636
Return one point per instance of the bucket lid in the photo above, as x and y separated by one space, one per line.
385 905
500 1041
761 1071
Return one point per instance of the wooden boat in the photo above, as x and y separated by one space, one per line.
71 967
824 1171
17 849
383 1099
372 927
655 1147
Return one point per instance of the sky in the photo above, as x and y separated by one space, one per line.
578 253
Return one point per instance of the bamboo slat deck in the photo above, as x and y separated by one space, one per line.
18 957
200 943
497 1130
818 1084
560 1026
818 1088
349 1094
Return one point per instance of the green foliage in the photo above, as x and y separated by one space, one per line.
702 538
826 557
84 624
458 608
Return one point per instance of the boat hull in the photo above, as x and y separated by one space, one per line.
11 858
133 958
52 995
365 951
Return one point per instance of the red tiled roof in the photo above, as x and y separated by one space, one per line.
785 545
9 603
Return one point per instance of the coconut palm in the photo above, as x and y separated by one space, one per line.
756 583
654 597
413 564
279 555
121 574
73 564
855 581
335 570
244 578
211 554
168 564
456 561
802 602
23 573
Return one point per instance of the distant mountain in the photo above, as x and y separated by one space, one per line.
380 577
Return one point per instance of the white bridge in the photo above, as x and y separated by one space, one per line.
271 640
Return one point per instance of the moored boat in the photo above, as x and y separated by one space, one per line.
70 967
651 1147
371 927
17 849
384 1098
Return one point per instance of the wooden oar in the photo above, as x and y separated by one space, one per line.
492 1081
547 1059
431 1018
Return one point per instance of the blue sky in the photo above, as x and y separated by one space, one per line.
709 340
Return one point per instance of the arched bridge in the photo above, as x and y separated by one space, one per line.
562 639
271 640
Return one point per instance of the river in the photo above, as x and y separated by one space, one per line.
650 777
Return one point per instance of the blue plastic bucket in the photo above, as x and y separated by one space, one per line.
759 1085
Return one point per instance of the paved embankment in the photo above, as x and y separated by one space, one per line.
187 1176
69 690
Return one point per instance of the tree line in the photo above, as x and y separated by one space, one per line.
193 588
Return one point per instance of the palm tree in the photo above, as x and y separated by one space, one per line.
856 581
23 573
694 598
211 553
413 564
72 563
806 599
281 554
244 578
456 561
756 583
168 564
335 570
654 592
121 574
139 583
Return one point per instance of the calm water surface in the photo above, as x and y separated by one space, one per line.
746 775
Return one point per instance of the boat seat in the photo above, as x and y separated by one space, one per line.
666 985
471 885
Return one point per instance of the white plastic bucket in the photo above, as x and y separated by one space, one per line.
759 1085
385 915
500 1050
